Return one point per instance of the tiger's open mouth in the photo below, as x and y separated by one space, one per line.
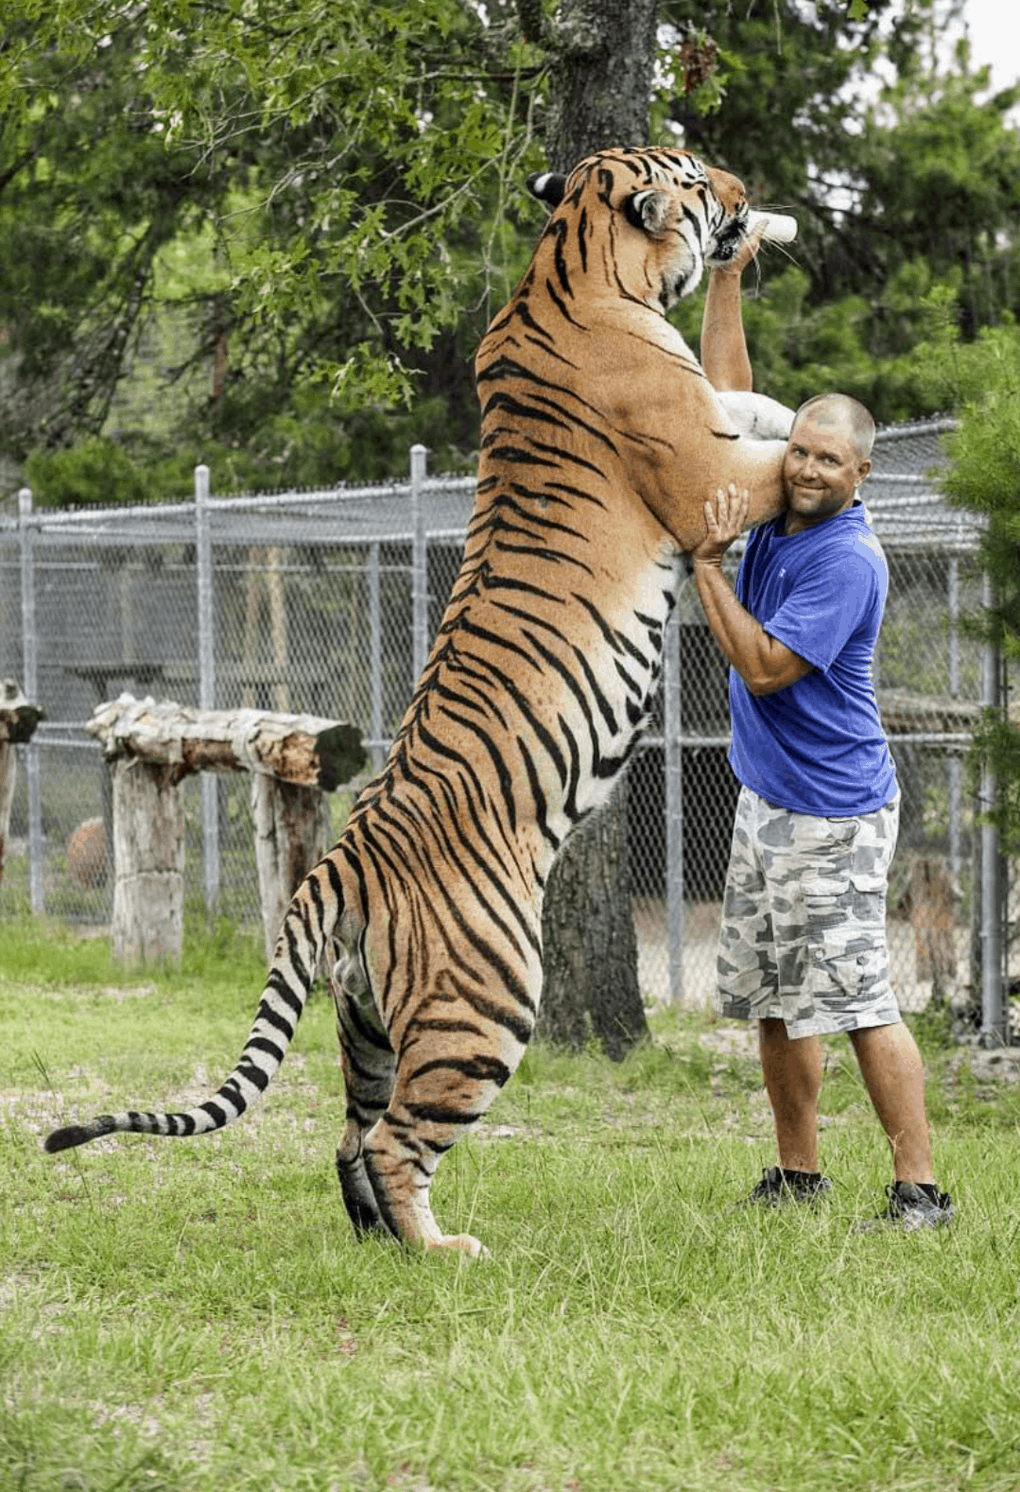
726 241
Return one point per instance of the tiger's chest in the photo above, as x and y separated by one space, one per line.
573 655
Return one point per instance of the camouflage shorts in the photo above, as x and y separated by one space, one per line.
803 923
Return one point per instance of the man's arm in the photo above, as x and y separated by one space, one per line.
765 664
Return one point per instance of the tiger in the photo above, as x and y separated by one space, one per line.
600 440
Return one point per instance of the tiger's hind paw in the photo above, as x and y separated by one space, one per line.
473 1247
359 1198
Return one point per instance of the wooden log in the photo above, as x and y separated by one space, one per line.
302 749
931 903
18 720
904 712
292 833
148 857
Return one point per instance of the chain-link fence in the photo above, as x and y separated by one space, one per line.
325 603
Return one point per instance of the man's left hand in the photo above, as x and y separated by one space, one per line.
725 520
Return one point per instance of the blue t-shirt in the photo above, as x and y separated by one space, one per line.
817 746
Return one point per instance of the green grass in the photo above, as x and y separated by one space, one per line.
197 1315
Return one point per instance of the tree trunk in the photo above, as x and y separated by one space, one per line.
601 80
591 987
292 833
601 77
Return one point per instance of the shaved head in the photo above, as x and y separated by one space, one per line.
846 410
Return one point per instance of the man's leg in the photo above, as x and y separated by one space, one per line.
793 1081
894 1076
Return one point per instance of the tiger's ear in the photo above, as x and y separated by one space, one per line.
648 211
547 186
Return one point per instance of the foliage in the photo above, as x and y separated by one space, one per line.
775 107
907 201
88 196
334 167
872 347
938 180
96 471
330 199
984 475
309 444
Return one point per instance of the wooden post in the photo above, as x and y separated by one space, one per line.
292 833
8 778
18 720
148 857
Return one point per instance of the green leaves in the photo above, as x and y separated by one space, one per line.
984 476
334 193
331 164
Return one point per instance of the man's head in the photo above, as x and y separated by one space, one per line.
827 458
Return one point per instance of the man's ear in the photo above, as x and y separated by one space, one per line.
547 186
648 211
863 467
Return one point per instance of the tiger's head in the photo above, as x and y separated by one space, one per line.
669 217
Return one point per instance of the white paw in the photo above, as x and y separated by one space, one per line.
757 416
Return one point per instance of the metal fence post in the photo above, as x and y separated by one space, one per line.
953 765
672 726
993 1023
375 655
30 685
207 685
419 567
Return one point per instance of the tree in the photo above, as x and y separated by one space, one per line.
88 197
346 188
901 192
981 381
341 171
602 62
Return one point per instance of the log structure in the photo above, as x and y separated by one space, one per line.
18 720
904 712
293 761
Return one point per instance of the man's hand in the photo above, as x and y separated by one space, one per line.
763 662
725 520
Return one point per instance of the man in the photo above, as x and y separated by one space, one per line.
802 945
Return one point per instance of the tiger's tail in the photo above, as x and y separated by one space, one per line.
308 924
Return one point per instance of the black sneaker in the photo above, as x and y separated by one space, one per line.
777 1186
912 1206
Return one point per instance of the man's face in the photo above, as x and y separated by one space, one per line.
822 467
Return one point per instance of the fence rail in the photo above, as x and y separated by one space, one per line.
325 602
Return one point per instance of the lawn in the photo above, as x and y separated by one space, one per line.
195 1315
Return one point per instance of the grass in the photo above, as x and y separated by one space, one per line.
193 1315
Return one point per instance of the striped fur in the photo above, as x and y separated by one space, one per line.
600 440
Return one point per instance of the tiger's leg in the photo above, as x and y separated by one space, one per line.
368 1063
451 1067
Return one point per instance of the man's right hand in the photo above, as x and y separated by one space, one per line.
725 520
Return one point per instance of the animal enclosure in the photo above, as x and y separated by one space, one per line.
324 603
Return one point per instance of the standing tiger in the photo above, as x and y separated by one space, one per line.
600 440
